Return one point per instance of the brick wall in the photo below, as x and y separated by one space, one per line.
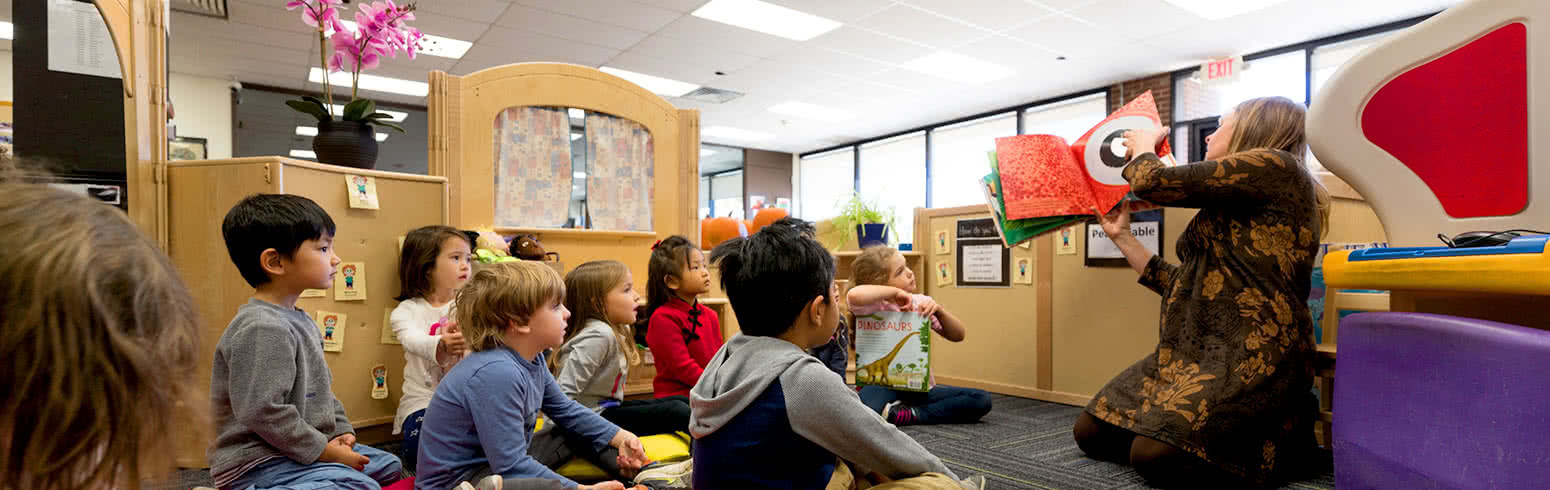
1161 86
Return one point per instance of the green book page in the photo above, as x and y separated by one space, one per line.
1017 231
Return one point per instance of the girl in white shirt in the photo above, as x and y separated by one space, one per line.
432 266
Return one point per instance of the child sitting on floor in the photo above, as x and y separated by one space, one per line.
433 264
683 333
481 419
884 282
278 423
763 399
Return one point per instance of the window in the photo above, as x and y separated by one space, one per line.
825 181
1068 119
1328 59
726 190
893 175
959 158
704 197
1283 74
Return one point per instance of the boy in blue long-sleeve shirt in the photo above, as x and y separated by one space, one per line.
480 420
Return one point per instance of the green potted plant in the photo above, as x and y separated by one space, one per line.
864 222
379 31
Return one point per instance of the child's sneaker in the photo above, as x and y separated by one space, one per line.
658 476
492 482
976 482
897 414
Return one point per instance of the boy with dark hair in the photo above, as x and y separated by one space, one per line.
780 282
278 423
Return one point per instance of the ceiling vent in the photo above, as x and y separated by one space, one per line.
712 95
207 8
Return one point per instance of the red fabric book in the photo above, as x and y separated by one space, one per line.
1042 176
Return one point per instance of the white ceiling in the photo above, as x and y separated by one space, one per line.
854 68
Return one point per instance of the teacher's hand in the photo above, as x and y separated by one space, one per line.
1138 141
1115 223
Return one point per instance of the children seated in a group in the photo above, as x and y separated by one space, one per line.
763 399
277 421
433 264
884 282
682 334
594 362
100 338
481 418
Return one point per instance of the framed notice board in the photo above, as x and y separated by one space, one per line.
981 257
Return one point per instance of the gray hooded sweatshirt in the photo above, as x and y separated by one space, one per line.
820 407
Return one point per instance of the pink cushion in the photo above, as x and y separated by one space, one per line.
404 484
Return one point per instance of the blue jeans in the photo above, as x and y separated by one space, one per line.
411 430
282 473
941 405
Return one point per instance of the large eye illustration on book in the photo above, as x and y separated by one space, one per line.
1106 161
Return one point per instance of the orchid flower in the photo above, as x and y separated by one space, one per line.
380 31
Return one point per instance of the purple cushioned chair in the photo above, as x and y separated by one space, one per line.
1439 402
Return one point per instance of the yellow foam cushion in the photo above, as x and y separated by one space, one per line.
660 447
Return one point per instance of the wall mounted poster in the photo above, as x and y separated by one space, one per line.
1065 241
942 241
1023 270
332 326
982 256
893 350
362 191
350 282
1145 225
944 274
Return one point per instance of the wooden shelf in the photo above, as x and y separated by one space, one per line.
1362 301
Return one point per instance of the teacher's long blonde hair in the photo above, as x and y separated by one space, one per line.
1276 123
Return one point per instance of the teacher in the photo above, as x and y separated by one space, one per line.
1225 400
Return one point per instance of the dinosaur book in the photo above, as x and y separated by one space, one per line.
893 350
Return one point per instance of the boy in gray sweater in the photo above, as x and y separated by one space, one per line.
763 399
277 421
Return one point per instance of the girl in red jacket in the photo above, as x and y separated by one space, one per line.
682 334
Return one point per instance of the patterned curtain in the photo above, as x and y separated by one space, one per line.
620 187
532 167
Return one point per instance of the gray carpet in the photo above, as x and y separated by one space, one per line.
1022 444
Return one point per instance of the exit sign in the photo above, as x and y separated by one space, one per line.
1222 70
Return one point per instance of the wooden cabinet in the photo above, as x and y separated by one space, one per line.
201 192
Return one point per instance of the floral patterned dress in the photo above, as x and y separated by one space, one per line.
1231 379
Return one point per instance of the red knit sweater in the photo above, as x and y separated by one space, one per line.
680 358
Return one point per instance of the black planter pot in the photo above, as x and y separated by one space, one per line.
346 143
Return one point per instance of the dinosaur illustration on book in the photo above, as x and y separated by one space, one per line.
880 366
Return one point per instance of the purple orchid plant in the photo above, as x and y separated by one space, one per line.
380 30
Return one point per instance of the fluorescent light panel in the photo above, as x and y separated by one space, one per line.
575 136
313 131
735 134
767 18
1222 9
810 111
657 85
7 30
579 175
431 44
958 68
375 83
304 154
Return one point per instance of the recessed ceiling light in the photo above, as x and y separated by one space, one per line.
394 116
433 45
958 68
313 131
767 18
1222 9
375 83
304 154
735 134
7 30
705 152
810 111
657 85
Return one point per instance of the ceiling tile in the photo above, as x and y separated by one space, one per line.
268 14
844 11
613 12
502 40
675 5
704 55
475 10
922 27
683 70
990 14
726 37
872 44
196 27
828 61
919 83
1011 53
1061 5
1067 37
524 18
449 26
1125 19
186 48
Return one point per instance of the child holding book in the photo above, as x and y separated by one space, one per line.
277 421
101 338
594 362
433 264
884 282
780 282
481 419
683 334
